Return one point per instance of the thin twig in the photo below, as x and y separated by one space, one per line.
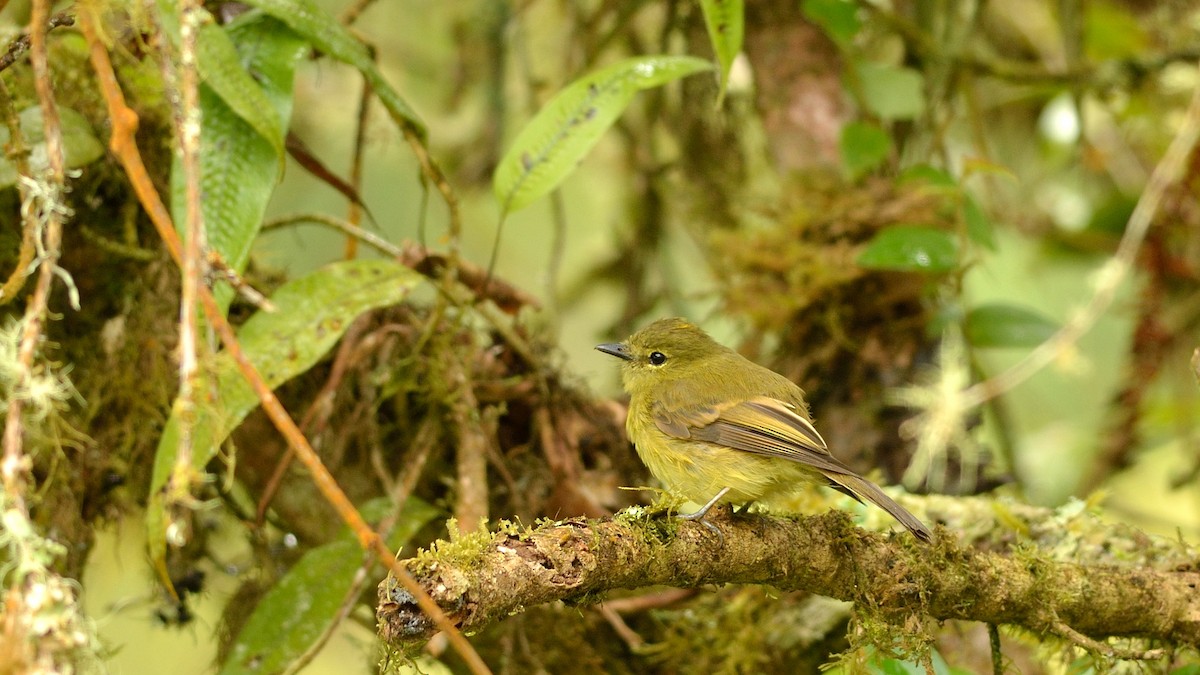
21 44
997 655
622 629
1104 648
1112 274
123 145
18 152
188 123
354 210
656 600
15 466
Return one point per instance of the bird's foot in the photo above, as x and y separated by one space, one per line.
703 511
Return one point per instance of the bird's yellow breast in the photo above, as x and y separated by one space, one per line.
698 470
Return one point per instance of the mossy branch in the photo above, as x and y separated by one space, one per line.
1149 595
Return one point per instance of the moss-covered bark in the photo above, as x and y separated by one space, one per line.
894 579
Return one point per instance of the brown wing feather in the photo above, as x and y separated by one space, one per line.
768 426
762 425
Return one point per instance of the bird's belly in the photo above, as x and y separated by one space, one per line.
701 470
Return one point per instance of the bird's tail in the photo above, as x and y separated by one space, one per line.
860 488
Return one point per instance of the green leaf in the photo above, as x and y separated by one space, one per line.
80 146
1111 216
324 32
890 666
979 226
726 23
1111 31
239 167
838 18
998 325
891 92
311 313
930 175
304 604
553 142
221 69
864 148
911 249
1190 669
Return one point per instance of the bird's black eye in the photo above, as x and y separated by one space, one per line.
657 358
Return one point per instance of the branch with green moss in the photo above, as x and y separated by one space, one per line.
1053 572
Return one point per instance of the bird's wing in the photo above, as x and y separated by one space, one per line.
761 425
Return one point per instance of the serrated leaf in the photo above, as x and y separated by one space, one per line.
891 92
80 146
324 32
562 132
838 18
999 325
726 24
911 249
311 313
304 604
864 147
239 167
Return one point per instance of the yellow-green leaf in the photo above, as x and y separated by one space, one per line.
239 167
553 142
726 23
221 69
311 313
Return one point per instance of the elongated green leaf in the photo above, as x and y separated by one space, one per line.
239 167
864 148
324 32
979 227
726 23
80 146
310 315
911 248
221 69
999 325
562 132
304 604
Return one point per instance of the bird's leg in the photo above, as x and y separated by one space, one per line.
703 511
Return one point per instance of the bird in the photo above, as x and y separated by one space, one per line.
714 426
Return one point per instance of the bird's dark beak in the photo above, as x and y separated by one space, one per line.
617 349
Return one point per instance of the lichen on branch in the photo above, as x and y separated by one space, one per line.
1008 580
